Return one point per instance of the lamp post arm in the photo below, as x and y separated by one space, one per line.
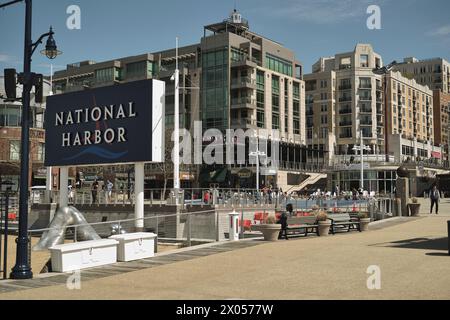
39 41
10 3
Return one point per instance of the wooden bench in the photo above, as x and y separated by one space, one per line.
343 222
298 226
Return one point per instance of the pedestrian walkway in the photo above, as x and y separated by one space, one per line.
52 279
411 254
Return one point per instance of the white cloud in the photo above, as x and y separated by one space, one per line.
440 32
322 11
4 57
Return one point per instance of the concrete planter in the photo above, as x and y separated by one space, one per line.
324 228
364 224
414 209
269 231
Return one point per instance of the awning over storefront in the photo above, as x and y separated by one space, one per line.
435 154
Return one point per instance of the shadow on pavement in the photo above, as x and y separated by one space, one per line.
438 254
421 243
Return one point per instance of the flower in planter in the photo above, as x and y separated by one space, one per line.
414 200
363 215
271 219
322 216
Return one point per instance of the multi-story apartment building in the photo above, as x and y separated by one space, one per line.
441 109
234 77
344 98
10 135
435 73
409 119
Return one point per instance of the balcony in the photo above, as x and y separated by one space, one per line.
365 122
365 110
345 136
245 62
364 86
240 83
345 87
345 111
345 123
365 98
242 123
243 103
345 99
345 66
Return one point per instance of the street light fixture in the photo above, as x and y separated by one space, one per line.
22 269
51 50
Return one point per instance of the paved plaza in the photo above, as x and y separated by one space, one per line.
410 252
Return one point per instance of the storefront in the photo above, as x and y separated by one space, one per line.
379 180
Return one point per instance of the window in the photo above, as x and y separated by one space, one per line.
138 69
14 150
260 99
364 61
345 63
40 154
238 55
275 121
296 90
10 116
278 65
296 126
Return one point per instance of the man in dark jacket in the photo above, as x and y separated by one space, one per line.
434 198
283 222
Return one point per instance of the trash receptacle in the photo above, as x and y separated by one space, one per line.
233 226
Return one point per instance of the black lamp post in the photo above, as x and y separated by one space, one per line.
22 269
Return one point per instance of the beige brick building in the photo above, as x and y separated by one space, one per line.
343 98
409 119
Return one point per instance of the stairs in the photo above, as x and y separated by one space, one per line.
311 180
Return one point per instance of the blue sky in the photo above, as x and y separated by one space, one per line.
311 28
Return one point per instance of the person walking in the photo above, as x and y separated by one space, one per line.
109 187
284 224
94 189
434 198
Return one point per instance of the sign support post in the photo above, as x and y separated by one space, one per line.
63 186
139 196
